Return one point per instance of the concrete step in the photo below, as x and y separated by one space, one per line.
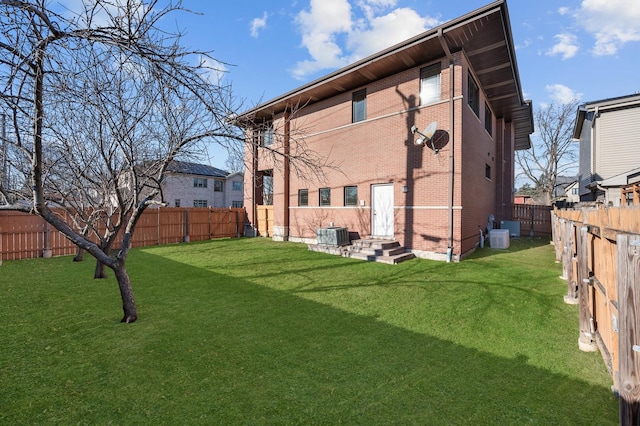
372 250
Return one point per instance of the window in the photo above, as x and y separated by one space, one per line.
200 203
359 112
325 196
303 197
474 95
263 136
574 191
177 202
199 183
237 204
488 119
218 186
236 186
430 84
350 195
487 171
267 188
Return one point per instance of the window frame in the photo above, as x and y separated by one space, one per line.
487 171
327 201
236 185
218 186
430 76
303 197
200 203
359 105
473 94
354 201
200 182
488 119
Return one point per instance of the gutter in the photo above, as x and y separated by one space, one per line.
447 51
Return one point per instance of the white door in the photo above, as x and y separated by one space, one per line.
382 211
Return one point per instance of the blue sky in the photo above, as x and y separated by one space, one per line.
585 49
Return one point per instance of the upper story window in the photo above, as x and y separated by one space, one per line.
218 186
236 185
359 106
263 136
430 84
474 95
199 183
488 119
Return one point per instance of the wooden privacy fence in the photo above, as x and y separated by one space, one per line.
265 221
25 236
600 253
534 220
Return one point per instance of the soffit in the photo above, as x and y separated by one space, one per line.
485 37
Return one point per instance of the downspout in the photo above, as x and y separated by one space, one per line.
447 52
287 173
254 177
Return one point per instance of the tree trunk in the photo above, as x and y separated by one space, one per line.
79 255
100 272
126 292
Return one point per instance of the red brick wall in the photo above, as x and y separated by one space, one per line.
381 149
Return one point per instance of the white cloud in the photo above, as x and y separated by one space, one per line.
258 24
217 70
335 34
613 23
383 31
563 10
567 46
562 94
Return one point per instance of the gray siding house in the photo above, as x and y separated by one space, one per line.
199 185
609 135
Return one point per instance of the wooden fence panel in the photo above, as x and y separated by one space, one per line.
534 220
265 221
609 265
25 236
629 322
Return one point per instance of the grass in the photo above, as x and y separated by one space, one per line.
255 332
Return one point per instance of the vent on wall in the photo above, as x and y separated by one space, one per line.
513 226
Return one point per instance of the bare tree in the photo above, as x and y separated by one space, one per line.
99 103
553 152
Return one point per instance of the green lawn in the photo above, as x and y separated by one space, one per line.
256 332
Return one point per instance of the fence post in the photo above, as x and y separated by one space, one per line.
629 327
46 250
0 246
186 237
568 235
586 340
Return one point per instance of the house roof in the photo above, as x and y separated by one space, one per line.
485 37
626 101
623 179
187 168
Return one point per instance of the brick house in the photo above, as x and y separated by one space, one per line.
607 131
189 184
458 82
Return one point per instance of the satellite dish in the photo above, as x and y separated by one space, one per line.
430 130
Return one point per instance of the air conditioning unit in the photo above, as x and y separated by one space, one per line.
333 236
499 238
513 226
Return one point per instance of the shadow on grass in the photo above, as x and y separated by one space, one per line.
213 349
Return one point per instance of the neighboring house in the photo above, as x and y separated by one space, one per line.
566 191
609 135
433 197
198 185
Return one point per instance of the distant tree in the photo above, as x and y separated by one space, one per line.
553 151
